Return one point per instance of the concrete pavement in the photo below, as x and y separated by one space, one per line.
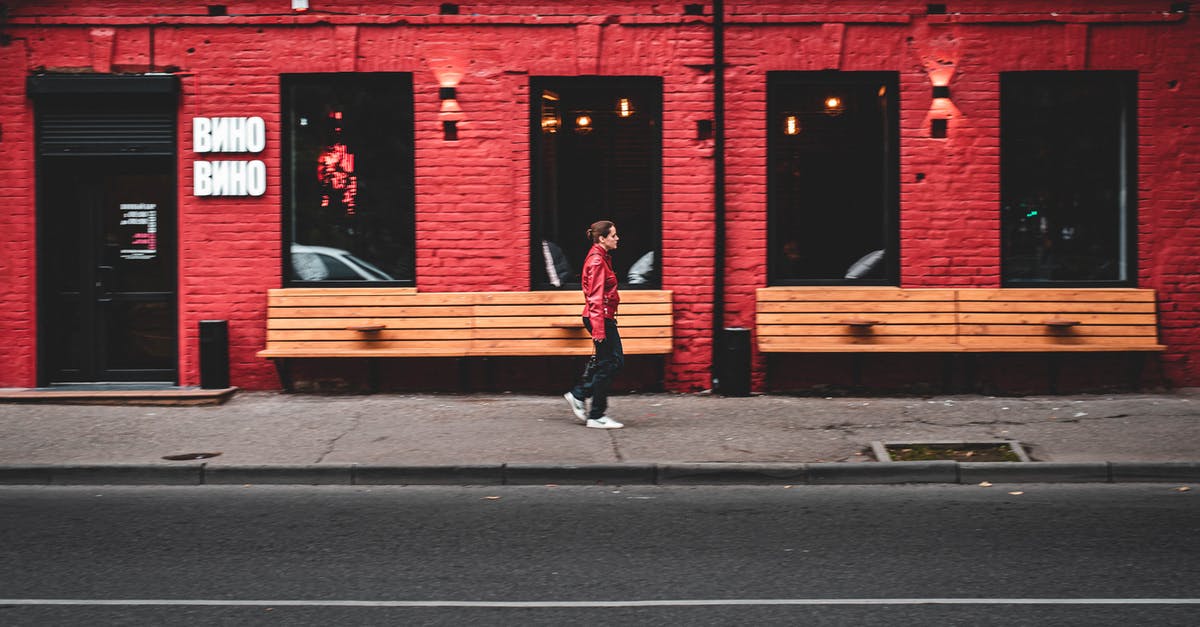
263 437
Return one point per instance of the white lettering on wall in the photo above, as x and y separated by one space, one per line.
229 134
229 178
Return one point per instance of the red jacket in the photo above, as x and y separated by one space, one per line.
599 290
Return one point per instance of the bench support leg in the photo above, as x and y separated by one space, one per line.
372 375
947 373
1137 366
856 372
464 374
1053 368
284 369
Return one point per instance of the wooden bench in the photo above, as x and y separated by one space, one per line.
1006 320
400 322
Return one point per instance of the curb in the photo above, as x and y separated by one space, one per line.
825 473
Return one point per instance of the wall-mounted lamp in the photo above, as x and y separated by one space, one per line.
624 107
940 112
704 129
551 121
583 123
447 93
299 6
939 128
791 124
834 105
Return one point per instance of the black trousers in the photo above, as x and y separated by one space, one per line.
598 375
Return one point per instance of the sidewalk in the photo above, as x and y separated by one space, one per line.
669 438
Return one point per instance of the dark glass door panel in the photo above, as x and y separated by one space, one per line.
108 269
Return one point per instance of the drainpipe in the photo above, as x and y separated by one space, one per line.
718 47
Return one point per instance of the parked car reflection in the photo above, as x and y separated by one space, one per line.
320 263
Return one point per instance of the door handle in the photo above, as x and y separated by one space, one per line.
103 280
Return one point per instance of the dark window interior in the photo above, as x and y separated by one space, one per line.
832 156
1067 176
596 146
349 199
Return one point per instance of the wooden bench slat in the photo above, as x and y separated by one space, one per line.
342 291
806 319
365 300
843 294
1055 308
1044 344
898 306
834 330
1083 330
379 322
431 311
391 323
1057 295
843 318
1036 320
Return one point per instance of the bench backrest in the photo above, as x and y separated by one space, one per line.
355 322
880 319
843 319
1094 319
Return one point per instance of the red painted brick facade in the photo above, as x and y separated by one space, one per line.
471 191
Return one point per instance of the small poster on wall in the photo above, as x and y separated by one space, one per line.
139 230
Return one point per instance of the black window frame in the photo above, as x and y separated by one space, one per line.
1126 83
778 80
642 84
407 169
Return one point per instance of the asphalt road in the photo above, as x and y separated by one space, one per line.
898 555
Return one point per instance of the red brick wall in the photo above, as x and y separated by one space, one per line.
18 263
473 193
950 188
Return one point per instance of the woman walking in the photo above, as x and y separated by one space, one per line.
600 318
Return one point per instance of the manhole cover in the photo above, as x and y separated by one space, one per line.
988 451
185 457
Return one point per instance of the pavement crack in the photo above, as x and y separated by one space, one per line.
333 443
612 438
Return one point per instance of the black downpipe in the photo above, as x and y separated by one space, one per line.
718 308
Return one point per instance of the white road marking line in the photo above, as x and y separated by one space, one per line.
590 604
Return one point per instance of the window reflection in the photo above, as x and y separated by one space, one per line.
596 151
832 177
350 198
1066 142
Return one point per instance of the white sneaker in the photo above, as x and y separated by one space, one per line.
604 422
576 406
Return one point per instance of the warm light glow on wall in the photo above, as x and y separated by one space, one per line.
834 106
583 123
791 125
624 108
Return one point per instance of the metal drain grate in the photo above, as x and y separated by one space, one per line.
984 451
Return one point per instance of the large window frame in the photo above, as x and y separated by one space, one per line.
555 103
396 178
797 102
1036 176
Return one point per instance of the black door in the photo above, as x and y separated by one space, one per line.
107 269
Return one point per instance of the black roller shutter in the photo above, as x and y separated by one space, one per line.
105 115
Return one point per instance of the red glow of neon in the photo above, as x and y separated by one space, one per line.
335 171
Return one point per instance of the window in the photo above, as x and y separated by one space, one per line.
348 179
1067 175
832 171
596 145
